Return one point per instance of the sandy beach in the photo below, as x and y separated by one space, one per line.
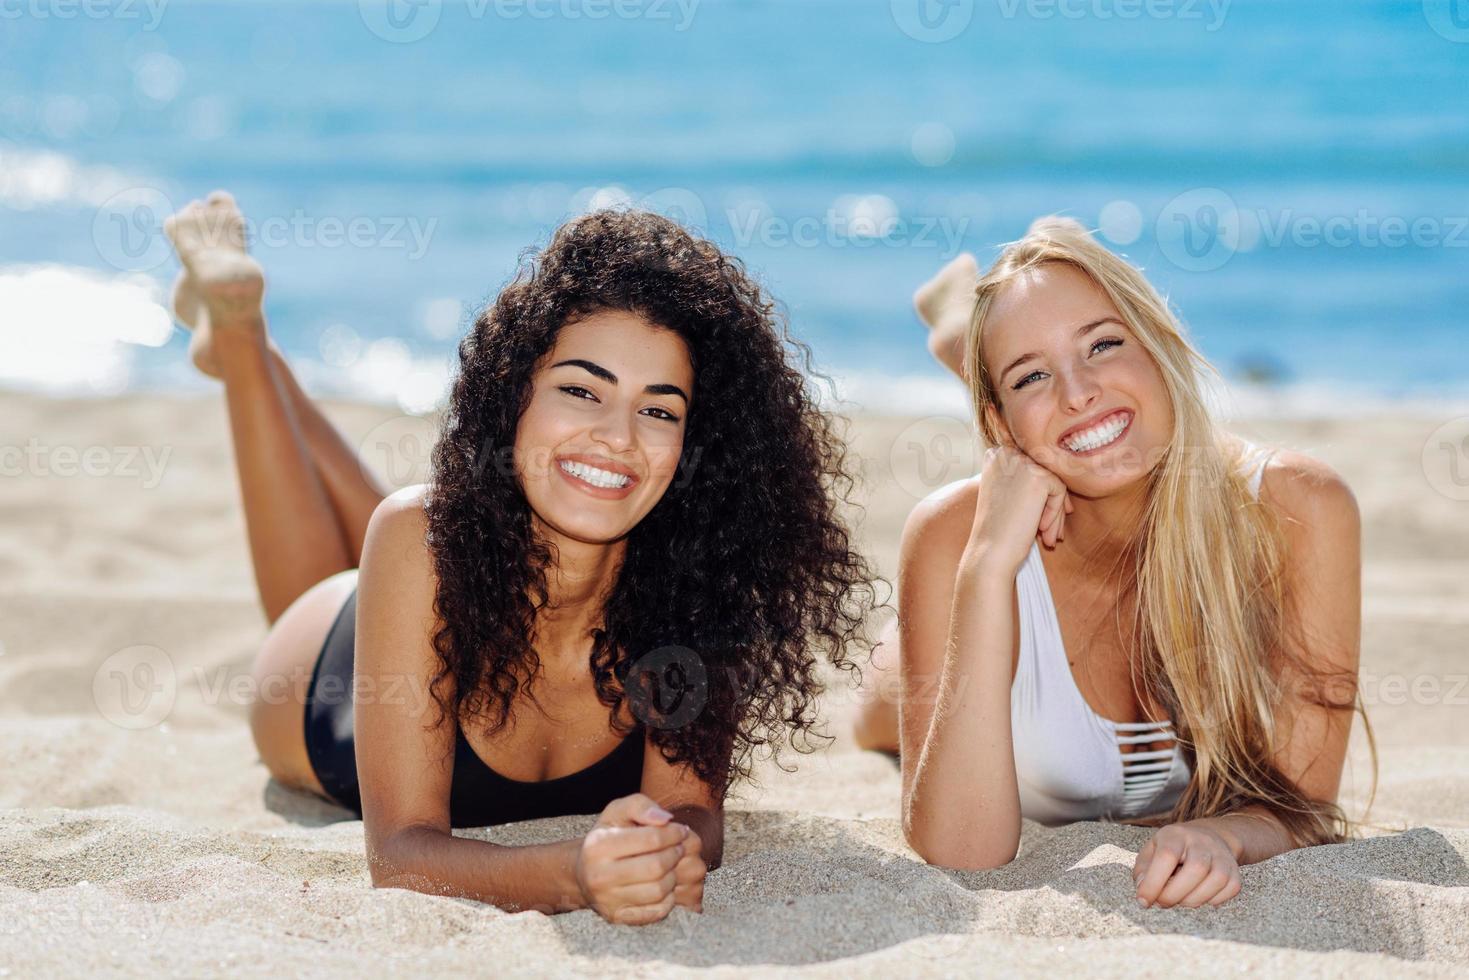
145 840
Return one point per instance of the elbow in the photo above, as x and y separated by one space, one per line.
391 861
961 858
956 850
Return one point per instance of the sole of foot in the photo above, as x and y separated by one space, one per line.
205 234
945 304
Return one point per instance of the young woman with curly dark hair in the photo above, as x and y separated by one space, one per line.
613 589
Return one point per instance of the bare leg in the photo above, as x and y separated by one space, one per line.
295 538
353 490
945 304
876 726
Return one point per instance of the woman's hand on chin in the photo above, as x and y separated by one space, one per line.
1019 501
1187 865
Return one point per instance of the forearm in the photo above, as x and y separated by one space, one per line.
963 808
709 825
425 859
1253 834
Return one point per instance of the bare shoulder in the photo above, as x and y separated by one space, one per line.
946 515
1310 493
398 528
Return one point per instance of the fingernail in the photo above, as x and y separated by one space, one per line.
658 813
1143 902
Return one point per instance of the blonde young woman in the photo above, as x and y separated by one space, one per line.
1130 614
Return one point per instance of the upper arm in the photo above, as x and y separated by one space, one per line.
675 785
678 788
933 544
404 768
1322 571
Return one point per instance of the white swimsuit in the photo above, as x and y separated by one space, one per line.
1068 759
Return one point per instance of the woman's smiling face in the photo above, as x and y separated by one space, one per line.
1076 390
600 441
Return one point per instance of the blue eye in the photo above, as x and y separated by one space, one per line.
1105 344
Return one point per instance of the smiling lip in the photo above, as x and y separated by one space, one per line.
601 463
1093 423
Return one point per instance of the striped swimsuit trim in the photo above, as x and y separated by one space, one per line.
1145 772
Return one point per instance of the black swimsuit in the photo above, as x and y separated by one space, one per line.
478 796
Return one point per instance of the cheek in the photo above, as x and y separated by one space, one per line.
1029 419
1145 381
540 431
663 451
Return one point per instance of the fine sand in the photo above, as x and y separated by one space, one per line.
141 835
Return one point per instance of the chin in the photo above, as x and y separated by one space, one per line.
578 528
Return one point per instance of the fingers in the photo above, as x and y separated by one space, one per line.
650 867
631 811
645 892
690 894
642 915
1191 872
614 843
1053 514
1218 887
1163 862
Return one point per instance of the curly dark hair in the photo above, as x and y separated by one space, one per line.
738 576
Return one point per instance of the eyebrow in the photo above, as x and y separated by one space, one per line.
1081 331
599 371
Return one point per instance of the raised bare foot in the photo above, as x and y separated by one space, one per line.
220 284
945 304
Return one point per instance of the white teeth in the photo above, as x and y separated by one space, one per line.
597 478
1098 436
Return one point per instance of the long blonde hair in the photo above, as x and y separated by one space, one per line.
1211 603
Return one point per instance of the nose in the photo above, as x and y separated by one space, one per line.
1078 390
614 430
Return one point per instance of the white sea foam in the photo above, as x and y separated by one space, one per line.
70 330
32 179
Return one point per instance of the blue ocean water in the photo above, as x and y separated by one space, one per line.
1292 175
